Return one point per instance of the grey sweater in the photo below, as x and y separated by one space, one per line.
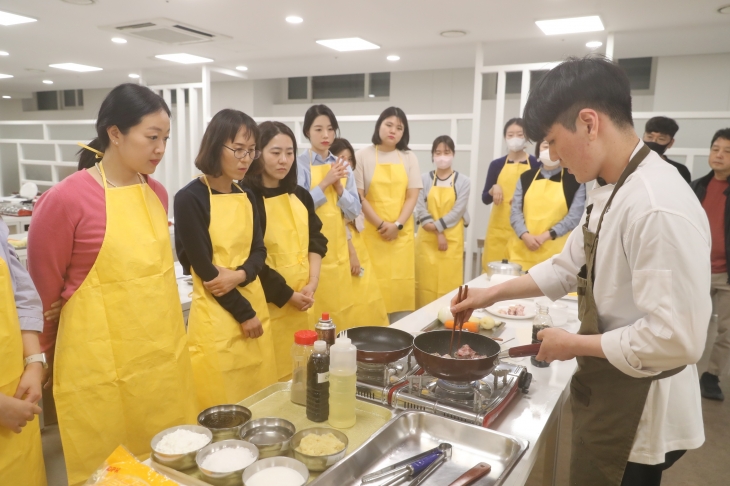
452 218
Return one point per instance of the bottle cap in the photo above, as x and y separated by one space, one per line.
305 337
325 316
320 345
346 341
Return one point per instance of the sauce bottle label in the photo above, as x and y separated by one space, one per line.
323 377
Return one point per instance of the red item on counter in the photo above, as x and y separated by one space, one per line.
305 337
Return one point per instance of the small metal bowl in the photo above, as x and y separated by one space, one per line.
276 462
318 463
271 435
224 444
183 461
225 421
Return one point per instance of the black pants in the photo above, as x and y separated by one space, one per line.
646 475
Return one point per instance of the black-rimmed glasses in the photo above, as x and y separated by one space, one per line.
242 153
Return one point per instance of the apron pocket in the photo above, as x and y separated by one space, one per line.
580 392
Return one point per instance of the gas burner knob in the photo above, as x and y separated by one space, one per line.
525 381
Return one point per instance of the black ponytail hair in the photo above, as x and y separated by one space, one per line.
124 107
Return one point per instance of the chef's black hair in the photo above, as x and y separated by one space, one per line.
578 83
723 133
340 144
267 131
513 121
400 114
124 107
317 110
661 124
222 130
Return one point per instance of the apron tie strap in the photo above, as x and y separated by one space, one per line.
98 153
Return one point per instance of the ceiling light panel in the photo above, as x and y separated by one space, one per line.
4 53
183 58
5 76
6 18
6 97
47 81
348 44
72 66
134 76
571 26
293 19
241 68
393 58
119 40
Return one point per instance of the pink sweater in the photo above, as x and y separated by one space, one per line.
65 236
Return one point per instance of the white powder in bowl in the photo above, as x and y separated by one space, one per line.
279 476
181 441
228 459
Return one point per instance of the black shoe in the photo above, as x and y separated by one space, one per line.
710 387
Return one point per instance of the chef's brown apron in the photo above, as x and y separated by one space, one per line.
607 404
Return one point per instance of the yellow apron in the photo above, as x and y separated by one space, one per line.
499 229
334 292
228 367
393 262
122 370
21 455
439 272
287 246
544 207
368 308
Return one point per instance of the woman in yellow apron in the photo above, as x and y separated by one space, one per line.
368 307
389 181
441 212
21 454
331 184
548 204
499 190
122 369
292 235
219 241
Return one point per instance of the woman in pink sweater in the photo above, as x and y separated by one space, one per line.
99 242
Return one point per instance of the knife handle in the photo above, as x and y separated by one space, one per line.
472 475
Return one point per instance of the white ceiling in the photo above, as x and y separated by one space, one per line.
270 47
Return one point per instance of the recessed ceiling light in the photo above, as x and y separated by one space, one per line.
571 26
47 81
724 10
453 33
594 44
80 2
371 95
134 76
241 68
119 40
7 18
5 76
348 44
4 53
293 19
6 97
183 58
72 66
393 58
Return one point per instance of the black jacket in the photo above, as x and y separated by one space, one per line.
699 186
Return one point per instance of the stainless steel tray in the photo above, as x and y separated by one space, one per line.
411 433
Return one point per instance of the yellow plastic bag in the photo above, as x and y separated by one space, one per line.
121 468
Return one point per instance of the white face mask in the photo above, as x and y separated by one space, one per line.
443 161
516 144
545 159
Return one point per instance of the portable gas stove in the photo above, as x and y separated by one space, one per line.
478 402
377 382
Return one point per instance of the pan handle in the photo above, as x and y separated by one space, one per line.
521 351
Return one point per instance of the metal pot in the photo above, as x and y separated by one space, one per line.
504 268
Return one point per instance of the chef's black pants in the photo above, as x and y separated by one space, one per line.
646 475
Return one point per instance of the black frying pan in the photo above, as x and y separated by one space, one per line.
463 369
377 344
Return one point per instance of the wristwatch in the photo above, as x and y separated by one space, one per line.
398 225
36 358
553 234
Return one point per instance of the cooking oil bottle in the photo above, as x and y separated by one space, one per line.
343 368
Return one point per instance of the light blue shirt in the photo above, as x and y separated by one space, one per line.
349 202
27 301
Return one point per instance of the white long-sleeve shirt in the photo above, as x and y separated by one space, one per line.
652 290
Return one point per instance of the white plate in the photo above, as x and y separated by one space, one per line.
529 309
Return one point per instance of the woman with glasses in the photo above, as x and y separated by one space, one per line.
219 241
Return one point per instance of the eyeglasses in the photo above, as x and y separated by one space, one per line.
241 153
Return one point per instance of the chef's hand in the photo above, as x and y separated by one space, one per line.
430 227
476 299
226 281
54 312
443 244
497 194
531 242
556 345
252 328
389 231
300 301
15 413
29 387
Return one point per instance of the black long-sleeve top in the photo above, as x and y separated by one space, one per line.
195 249
275 287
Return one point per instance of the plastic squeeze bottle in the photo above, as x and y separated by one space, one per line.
343 369
318 386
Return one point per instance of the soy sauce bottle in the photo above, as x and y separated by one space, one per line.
318 386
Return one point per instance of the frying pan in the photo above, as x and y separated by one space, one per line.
377 344
463 369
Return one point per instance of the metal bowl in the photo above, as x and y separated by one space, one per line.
276 462
225 421
224 444
183 461
271 435
318 463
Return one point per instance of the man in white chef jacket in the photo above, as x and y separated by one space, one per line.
650 285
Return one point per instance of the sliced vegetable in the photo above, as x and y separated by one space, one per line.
468 326
445 314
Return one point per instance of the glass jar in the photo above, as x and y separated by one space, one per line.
301 350
541 321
